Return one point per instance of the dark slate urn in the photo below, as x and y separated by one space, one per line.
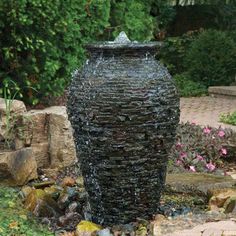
124 110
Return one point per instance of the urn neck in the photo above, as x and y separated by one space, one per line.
123 47
122 52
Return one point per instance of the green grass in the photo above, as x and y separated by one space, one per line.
229 118
14 219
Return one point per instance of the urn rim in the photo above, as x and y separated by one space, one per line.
110 45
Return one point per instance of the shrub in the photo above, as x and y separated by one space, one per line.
174 49
41 42
189 88
200 149
211 59
229 118
133 17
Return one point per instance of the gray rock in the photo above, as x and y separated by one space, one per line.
197 183
104 232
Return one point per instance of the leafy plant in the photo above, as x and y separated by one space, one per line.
133 17
229 118
189 88
14 220
200 149
42 42
211 59
174 50
9 91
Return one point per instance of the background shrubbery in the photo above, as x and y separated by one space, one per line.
211 59
41 42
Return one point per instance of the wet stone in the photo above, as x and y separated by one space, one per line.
124 109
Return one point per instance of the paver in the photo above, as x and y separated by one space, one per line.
206 110
224 227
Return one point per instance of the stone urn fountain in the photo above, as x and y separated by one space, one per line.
124 110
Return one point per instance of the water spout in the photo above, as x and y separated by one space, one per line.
122 38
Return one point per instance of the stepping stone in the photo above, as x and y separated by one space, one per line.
223 91
198 182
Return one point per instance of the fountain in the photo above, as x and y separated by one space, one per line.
124 109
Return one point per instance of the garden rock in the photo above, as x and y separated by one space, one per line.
52 138
67 196
222 200
68 181
41 153
61 142
104 232
198 183
86 228
41 204
16 108
18 167
69 217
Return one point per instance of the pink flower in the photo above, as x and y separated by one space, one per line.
223 151
192 168
183 155
206 130
210 166
178 162
221 133
179 145
200 158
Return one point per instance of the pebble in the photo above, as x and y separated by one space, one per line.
104 232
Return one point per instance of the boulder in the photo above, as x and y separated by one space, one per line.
41 204
16 108
52 138
61 142
223 200
48 132
17 167
41 154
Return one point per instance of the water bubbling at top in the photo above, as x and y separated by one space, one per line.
122 38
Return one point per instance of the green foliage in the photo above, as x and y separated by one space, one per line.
9 96
133 17
187 87
14 220
174 50
225 16
41 42
164 12
141 20
229 118
232 35
211 59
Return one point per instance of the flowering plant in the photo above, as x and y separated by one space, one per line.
200 149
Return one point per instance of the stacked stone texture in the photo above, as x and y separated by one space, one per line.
124 109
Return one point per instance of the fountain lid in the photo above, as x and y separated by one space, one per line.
123 42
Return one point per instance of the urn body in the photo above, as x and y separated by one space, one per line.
124 110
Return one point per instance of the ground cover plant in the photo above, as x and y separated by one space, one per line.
14 220
229 118
188 88
200 149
